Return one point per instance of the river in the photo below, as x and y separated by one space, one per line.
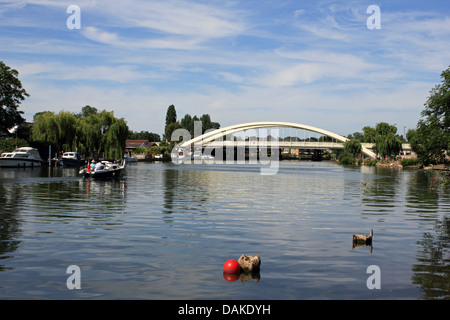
164 231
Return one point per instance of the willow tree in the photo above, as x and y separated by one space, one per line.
115 139
384 136
91 134
105 133
45 128
59 130
68 125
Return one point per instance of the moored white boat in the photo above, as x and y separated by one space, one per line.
21 157
70 159
130 158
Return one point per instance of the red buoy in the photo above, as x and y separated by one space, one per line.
231 266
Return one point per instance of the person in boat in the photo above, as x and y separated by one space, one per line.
99 166
92 166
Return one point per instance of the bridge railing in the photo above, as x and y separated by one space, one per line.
280 144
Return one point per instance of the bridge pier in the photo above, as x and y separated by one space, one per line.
317 155
240 154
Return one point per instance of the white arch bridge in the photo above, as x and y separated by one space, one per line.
221 138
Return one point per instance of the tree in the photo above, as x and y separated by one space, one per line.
86 111
207 124
353 147
369 134
171 117
170 128
45 128
356 135
144 135
116 138
89 133
387 142
431 139
188 123
11 95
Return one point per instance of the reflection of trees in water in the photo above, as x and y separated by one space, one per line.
59 198
10 196
185 190
432 272
379 195
54 201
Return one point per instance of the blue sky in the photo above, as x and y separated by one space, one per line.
309 62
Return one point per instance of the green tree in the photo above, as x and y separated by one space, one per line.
144 135
387 142
188 123
86 111
116 138
369 134
353 147
45 128
170 128
356 135
352 150
431 138
93 133
11 95
171 117
68 125
207 124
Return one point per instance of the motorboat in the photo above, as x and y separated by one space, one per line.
70 159
103 169
130 158
21 157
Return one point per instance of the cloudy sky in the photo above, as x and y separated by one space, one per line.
310 62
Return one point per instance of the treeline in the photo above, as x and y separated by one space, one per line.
187 122
144 135
431 137
387 143
91 132
430 140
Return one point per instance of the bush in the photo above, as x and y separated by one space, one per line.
409 162
346 158
372 163
8 145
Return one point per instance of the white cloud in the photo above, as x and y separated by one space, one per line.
54 72
95 34
182 18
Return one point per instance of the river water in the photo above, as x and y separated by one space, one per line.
164 231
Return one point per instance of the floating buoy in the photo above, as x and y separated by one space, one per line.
250 263
363 239
231 266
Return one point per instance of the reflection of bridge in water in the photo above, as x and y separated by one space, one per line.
227 137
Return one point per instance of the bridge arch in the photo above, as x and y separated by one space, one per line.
218 133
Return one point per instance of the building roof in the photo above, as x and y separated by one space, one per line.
133 144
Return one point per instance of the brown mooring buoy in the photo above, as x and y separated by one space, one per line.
363 239
250 263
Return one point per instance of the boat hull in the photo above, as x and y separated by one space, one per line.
102 174
19 163
110 171
69 162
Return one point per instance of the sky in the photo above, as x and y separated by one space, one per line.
320 63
